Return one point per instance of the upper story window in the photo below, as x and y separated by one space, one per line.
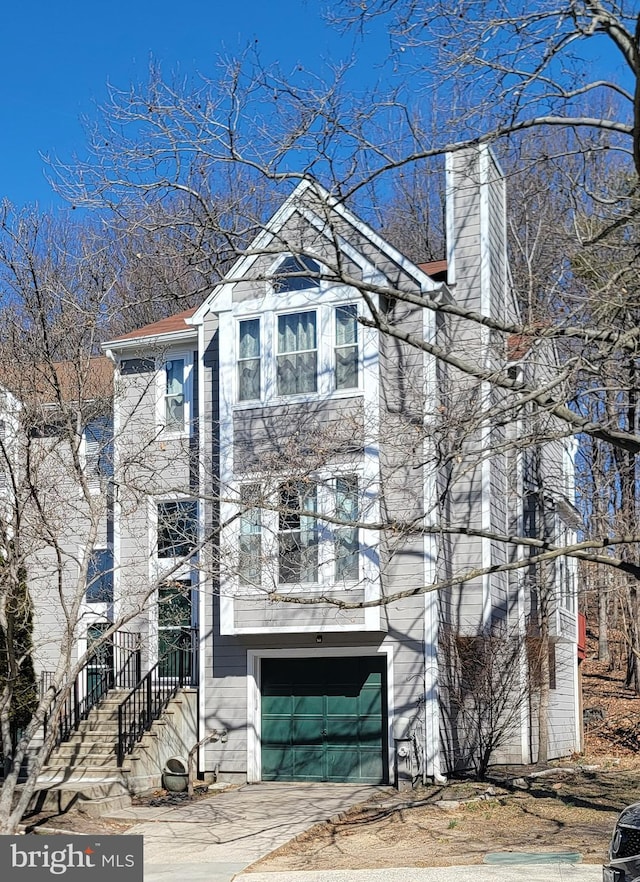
177 528
297 359
346 347
249 360
250 545
98 450
174 397
296 273
297 533
99 587
347 562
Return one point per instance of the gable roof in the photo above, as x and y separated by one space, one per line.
297 202
174 326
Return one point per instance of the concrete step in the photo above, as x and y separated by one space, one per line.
79 791
94 768
89 760
97 808
99 726
86 746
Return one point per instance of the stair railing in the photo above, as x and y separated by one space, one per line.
96 677
150 696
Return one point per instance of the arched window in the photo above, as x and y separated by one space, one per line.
291 274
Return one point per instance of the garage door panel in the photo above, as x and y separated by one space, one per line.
278 728
308 763
342 729
306 730
371 702
277 704
277 764
308 704
369 729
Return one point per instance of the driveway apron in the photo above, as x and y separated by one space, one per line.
213 839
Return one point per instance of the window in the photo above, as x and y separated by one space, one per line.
249 361
346 537
174 627
100 576
297 534
177 528
290 275
174 394
98 450
346 348
297 353
250 550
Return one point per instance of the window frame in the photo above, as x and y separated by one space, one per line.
251 518
326 380
296 526
190 547
326 533
167 429
344 346
278 355
279 288
98 466
240 359
93 581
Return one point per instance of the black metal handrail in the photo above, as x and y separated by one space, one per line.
151 695
96 677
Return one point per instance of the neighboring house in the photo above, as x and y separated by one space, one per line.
284 468
55 468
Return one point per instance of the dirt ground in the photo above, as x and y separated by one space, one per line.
565 811
572 809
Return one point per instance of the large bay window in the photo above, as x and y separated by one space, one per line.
305 532
298 353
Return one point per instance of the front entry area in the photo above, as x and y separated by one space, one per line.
324 719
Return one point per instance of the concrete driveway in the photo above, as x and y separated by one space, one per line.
213 839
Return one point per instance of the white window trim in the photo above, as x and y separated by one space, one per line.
162 568
104 607
95 481
325 352
326 538
272 273
186 431
165 567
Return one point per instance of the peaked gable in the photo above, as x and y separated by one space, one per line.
315 228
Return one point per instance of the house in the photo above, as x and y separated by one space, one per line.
301 457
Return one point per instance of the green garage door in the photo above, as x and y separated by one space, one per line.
322 720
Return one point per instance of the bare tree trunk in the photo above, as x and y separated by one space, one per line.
545 686
603 609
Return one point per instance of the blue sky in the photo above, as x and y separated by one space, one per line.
58 56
